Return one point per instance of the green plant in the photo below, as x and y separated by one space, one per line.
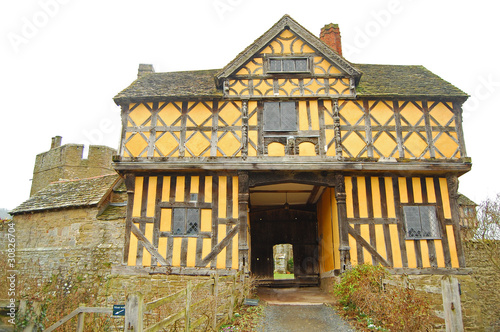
289 265
362 293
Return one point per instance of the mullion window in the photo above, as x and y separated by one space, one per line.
421 221
288 65
185 221
280 116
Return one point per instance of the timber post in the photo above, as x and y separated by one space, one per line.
80 325
452 182
215 293
340 196
189 290
451 304
134 307
243 197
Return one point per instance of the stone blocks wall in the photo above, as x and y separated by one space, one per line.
66 162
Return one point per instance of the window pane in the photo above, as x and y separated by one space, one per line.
193 220
288 65
429 221
179 222
288 116
301 65
412 219
275 65
272 116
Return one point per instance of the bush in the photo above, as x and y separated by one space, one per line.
393 308
289 265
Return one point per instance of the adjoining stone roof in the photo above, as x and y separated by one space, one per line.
69 193
396 81
464 200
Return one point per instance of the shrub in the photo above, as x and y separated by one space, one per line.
395 308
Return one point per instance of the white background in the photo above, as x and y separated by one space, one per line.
62 62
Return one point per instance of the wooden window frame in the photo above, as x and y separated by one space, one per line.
185 226
433 229
268 70
281 128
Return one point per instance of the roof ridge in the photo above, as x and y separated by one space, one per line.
74 180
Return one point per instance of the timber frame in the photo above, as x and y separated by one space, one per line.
367 141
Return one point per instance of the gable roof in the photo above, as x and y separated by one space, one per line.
465 201
284 23
69 194
377 81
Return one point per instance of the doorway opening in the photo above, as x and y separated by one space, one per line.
283 261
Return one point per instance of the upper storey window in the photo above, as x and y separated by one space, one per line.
280 116
288 65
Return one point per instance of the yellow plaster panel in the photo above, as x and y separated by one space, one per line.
440 114
415 144
253 137
403 190
207 247
136 210
313 106
335 229
384 144
329 135
222 199
236 87
150 210
445 144
365 233
198 145
424 249
191 252
252 120
349 200
171 114
303 118
417 190
146 256
140 114
208 189
312 86
321 66
352 112
307 149
176 251
431 193
166 220
230 113
137 145
229 144
162 247
165 193
353 252
363 203
353 143
341 86
206 220
179 189
439 253
412 114
410 251
325 231
396 250
221 257
377 205
198 115
275 149
382 113
195 184
132 252
391 209
379 236
235 197
445 197
167 143
453 246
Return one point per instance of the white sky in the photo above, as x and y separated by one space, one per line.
64 60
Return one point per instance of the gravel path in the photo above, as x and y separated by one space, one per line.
310 318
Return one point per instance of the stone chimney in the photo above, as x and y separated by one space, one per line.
330 35
56 142
144 69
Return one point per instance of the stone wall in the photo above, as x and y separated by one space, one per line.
66 162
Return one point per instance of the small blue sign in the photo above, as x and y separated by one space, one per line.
119 310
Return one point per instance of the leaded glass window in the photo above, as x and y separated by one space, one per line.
421 221
288 65
186 221
280 116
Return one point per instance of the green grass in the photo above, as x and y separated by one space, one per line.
284 276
